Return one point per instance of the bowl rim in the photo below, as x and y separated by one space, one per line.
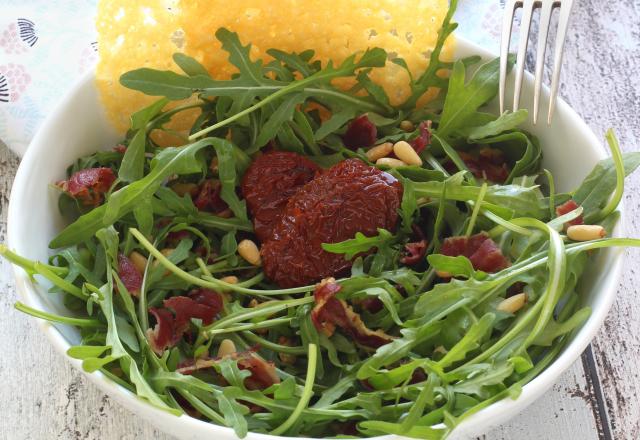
497 412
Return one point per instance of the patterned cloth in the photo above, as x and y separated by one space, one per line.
46 46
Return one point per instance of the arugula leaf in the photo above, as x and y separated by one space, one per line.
172 160
360 243
459 266
597 187
463 100
228 177
506 121
189 65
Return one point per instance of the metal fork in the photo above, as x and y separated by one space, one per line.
528 7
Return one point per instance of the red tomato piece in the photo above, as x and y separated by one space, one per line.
350 197
270 182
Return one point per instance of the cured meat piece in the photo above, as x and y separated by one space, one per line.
361 133
489 164
270 182
208 197
330 312
173 320
350 197
424 138
263 373
414 252
481 250
567 207
89 185
129 275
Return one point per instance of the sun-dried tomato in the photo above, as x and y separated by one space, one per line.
481 250
567 207
330 312
361 133
270 182
350 197
89 185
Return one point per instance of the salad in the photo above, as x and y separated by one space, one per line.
316 262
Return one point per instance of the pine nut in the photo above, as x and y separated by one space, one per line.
249 251
443 274
253 303
406 153
407 125
227 348
513 303
231 279
185 188
390 162
379 151
138 260
585 232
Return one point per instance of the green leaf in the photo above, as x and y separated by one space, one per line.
360 243
228 178
336 121
507 121
463 100
172 160
239 56
284 113
189 65
525 202
408 206
556 329
132 166
471 341
140 118
597 187
86 351
166 83
459 266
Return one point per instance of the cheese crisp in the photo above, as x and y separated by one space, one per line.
146 33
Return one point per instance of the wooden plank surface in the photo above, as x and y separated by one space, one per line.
44 398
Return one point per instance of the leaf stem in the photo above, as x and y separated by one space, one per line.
307 392
78 322
619 164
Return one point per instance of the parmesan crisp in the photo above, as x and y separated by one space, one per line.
146 33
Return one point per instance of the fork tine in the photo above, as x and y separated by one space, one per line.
507 22
525 26
545 19
563 24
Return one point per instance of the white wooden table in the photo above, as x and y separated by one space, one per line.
44 398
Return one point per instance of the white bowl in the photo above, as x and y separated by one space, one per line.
78 127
